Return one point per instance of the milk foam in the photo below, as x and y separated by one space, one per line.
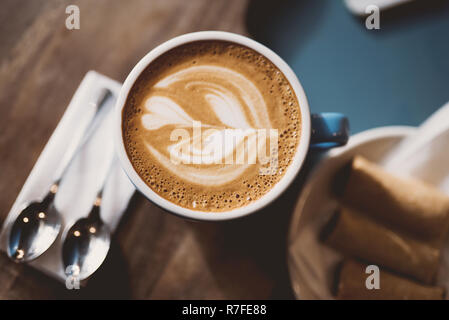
163 111
224 103
230 107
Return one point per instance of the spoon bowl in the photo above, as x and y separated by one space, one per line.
86 245
34 230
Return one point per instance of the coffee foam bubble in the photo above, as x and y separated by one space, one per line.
225 86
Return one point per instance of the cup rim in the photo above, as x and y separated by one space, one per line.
292 170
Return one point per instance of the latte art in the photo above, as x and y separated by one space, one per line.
211 125
237 109
230 95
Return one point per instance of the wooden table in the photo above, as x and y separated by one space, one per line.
154 255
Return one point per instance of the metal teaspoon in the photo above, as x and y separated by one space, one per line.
39 223
86 243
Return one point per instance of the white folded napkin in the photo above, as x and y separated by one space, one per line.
83 179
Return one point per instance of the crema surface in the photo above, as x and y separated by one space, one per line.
211 125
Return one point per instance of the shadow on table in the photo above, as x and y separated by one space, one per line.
111 281
261 239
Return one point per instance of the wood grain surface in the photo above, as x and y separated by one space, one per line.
154 255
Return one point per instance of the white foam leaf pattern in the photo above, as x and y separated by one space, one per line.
226 108
164 111
247 91
230 107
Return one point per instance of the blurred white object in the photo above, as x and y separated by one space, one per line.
358 7
79 187
419 152
426 155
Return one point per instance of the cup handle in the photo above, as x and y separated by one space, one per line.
329 129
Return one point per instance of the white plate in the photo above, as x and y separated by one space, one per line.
311 264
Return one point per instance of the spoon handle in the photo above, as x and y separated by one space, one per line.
80 138
110 167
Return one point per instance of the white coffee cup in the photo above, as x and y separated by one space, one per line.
292 169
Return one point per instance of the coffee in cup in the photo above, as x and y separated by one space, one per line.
211 125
